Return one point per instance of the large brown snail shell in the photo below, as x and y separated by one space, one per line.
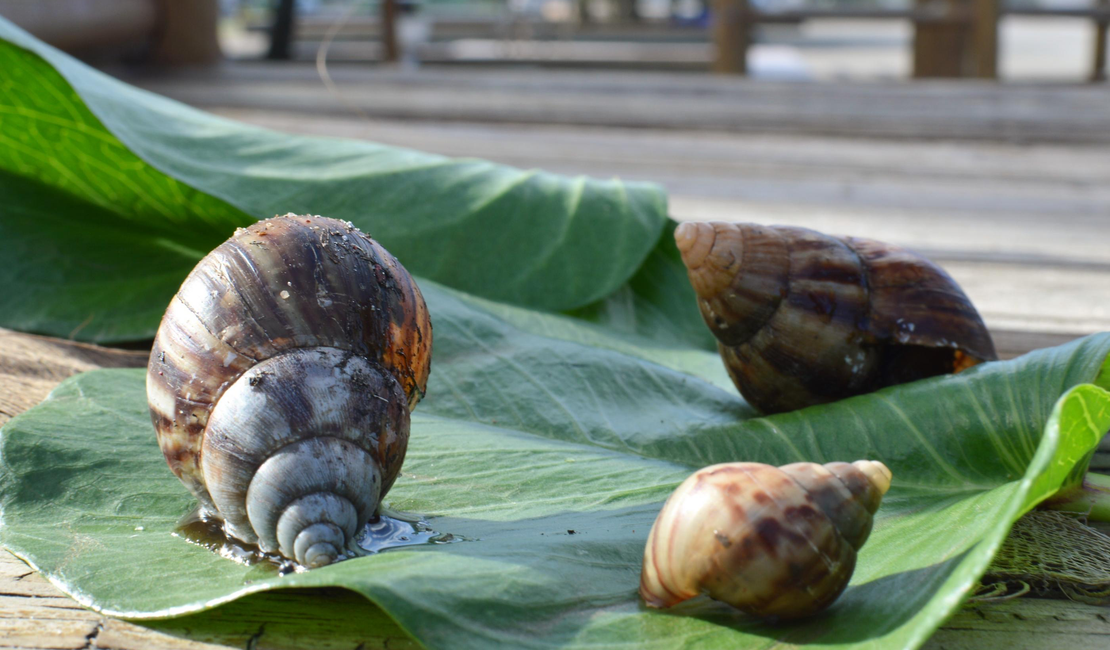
281 380
778 543
804 318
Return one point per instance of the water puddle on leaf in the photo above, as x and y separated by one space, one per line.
390 530
398 530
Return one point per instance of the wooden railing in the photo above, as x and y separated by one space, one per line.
952 38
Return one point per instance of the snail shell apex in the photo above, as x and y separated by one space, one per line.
803 318
774 542
281 379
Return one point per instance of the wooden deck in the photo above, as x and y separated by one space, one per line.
976 111
1008 187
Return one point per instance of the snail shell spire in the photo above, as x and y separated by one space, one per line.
773 542
803 318
281 380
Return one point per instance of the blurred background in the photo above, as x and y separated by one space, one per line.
770 39
975 131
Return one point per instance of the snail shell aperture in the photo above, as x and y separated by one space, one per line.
281 380
803 318
774 542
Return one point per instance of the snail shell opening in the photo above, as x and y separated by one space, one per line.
804 318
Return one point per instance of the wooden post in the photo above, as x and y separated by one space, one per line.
939 48
281 33
984 39
391 49
1098 70
627 11
731 36
187 34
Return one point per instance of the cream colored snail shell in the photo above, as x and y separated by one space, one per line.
281 380
776 542
804 318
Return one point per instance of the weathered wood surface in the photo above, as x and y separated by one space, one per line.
1025 624
35 614
31 366
935 109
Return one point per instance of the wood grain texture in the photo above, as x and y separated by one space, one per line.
31 366
34 614
1024 624
937 109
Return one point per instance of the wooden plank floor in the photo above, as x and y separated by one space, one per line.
1077 114
1008 187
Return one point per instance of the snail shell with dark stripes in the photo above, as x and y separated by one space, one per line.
803 318
776 542
281 380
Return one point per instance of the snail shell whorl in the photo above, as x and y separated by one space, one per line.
281 379
774 542
803 318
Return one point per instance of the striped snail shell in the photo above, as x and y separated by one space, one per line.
804 318
281 380
776 542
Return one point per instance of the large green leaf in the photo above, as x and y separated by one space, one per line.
536 425
112 194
